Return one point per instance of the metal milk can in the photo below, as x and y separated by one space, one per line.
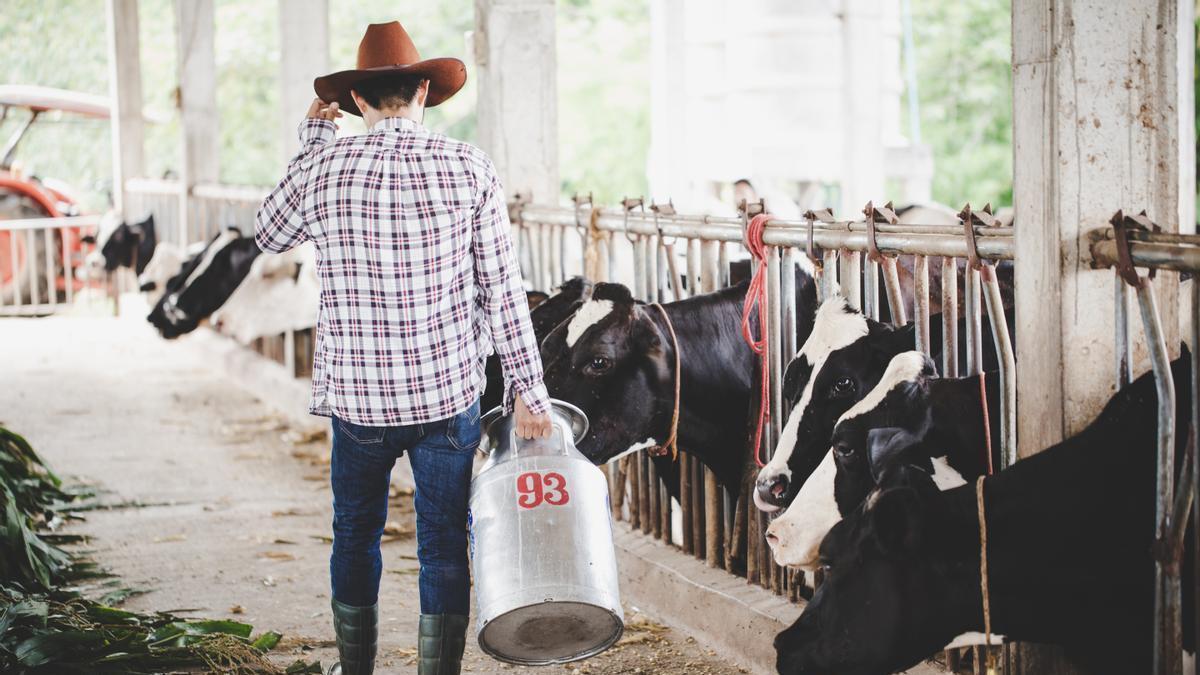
542 555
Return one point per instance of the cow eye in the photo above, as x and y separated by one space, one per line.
844 386
843 451
598 365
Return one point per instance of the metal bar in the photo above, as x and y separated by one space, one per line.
639 268
870 302
31 264
921 302
1123 345
949 317
546 283
562 256
660 268
693 266
16 277
1008 366
829 275
43 223
648 493
612 257
68 270
1160 256
754 541
635 496
787 299
974 320
289 352
714 521
1167 631
676 283
891 282
773 313
723 278
685 500
850 273
51 277
698 532
664 512
643 222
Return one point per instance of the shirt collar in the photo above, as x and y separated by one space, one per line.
396 124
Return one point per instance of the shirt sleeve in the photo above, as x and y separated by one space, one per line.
279 225
501 297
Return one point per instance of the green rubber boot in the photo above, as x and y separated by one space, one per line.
442 638
357 630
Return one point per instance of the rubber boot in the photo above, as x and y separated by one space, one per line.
357 630
442 638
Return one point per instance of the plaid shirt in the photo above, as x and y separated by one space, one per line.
419 282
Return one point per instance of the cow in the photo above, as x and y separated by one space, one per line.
546 312
1070 544
615 360
909 402
121 244
166 262
280 293
204 284
841 361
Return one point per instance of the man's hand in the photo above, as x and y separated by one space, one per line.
320 110
530 426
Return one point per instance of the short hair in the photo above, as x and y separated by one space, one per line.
395 90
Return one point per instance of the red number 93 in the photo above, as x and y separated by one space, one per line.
534 488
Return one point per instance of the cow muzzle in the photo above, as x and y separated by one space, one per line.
770 492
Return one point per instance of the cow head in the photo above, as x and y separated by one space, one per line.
843 478
614 361
120 244
883 606
204 284
843 358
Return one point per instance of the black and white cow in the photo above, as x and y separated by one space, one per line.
841 361
120 244
615 360
204 283
909 402
1069 548
545 313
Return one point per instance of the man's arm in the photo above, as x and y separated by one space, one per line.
279 225
502 298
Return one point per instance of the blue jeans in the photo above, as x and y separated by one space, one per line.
441 454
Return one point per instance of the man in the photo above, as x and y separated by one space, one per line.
418 284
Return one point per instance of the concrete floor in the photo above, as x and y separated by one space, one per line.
236 509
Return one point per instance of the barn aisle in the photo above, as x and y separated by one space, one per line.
227 508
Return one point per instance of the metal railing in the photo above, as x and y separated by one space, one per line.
1131 242
851 257
45 258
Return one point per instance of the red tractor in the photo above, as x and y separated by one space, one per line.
24 197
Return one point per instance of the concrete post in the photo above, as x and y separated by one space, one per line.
515 66
194 30
303 56
125 92
1097 87
862 59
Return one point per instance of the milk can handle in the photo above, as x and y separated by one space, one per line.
554 443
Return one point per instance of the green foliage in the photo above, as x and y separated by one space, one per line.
603 97
29 495
964 77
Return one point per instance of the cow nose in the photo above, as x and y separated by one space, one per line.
770 491
772 539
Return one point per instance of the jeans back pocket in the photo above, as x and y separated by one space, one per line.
462 430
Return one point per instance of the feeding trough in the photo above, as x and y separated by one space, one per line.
542 555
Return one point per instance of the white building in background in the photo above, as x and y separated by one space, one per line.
802 97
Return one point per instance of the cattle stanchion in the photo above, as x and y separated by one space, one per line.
714 521
949 317
1135 241
921 302
972 307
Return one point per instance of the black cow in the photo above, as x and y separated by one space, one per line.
1069 547
128 245
545 313
841 361
909 402
615 359
204 283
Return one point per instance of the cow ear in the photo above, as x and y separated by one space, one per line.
888 341
896 523
885 446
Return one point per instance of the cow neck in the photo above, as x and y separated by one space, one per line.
716 370
1065 524
958 426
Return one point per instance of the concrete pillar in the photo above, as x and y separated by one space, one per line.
668 101
515 66
863 75
303 56
1096 117
194 31
125 92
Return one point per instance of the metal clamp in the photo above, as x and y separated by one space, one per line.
884 214
969 220
825 216
1123 226
628 204
579 200
667 209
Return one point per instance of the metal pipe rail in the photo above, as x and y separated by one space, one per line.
1131 242
46 282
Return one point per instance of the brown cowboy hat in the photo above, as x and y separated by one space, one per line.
386 48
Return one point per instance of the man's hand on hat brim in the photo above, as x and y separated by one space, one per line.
320 110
